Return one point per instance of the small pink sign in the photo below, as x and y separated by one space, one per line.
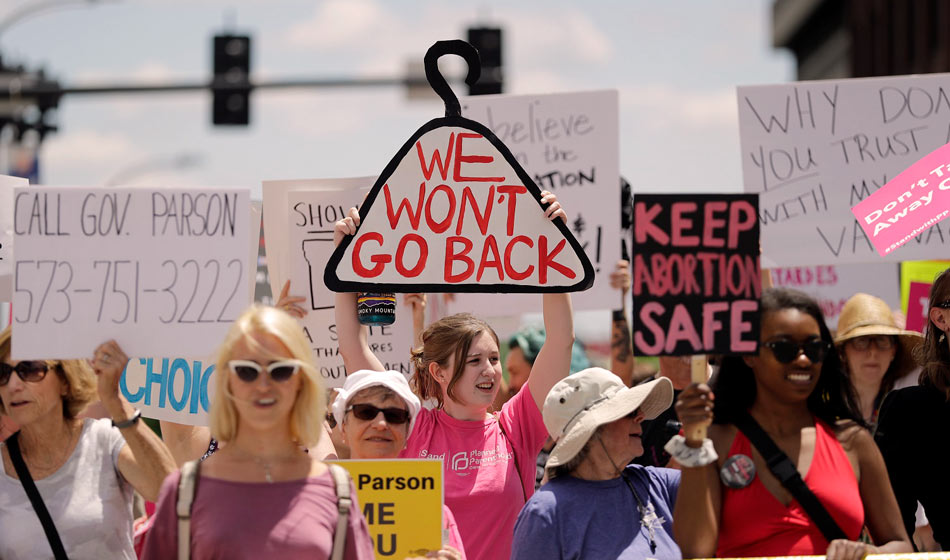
917 298
908 204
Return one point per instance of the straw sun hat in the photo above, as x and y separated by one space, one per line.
577 405
864 315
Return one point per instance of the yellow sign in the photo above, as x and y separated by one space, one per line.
918 271
401 500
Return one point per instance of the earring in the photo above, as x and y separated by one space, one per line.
942 337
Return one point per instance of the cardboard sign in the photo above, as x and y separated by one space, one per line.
906 206
696 278
814 150
569 144
312 214
6 234
919 271
401 500
454 211
154 269
174 389
918 304
833 285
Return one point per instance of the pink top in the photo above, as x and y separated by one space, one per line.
482 486
451 527
235 520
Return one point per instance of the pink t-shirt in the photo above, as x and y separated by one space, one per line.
482 486
451 527
234 520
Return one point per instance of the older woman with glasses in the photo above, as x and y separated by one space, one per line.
83 471
262 495
793 397
910 433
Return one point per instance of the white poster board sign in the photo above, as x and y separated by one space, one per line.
7 184
569 144
301 215
813 150
833 285
158 270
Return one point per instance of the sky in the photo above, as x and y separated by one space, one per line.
675 63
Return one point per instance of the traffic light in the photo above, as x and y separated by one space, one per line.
231 85
487 41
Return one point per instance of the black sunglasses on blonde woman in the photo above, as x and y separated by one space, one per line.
248 371
34 372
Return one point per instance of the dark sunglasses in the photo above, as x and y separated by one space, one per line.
369 412
248 371
34 372
881 341
786 351
633 414
943 305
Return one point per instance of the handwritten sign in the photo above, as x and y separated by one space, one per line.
910 203
833 285
6 234
311 211
696 277
454 211
814 150
155 269
569 144
402 504
172 389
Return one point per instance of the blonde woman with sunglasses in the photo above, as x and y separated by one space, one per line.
262 495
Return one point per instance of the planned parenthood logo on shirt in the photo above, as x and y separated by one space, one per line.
464 461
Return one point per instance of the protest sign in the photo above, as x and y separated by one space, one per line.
918 304
919 271
833 285
696 278
6 234
568 143
402 503
454 211
813 150
310 215
907 205
154 269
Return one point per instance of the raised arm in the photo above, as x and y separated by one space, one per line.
144 461
554 359
621 346
351 335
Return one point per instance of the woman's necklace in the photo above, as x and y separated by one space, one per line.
266 466
648 517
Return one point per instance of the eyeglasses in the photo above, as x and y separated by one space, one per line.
392 415
633 414
881 342
943 305
248 371
34 372
786 351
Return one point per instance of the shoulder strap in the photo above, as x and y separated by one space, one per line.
783 469
187 485
341 480
524 493
13 445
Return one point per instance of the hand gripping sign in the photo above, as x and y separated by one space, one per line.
455 212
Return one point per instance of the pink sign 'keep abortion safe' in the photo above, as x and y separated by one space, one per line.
910 203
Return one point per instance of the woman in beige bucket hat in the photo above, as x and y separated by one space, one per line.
875 352
597 505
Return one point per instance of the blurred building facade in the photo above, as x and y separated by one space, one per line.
834 39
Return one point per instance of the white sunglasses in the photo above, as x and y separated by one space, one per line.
248 371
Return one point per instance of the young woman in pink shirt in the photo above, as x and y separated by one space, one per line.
489 459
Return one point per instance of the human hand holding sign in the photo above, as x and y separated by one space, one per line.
694 407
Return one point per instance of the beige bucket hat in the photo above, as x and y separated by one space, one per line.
864 315
577 405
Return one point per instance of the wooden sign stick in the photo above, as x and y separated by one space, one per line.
698 368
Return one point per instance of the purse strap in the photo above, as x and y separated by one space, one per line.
341 483
187 485
13 445
786 472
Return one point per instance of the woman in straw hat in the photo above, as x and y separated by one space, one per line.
874 350
730 503
586 511
913 422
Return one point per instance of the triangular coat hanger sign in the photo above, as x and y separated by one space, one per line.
453 211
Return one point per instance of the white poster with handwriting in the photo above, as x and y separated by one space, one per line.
833 285
813 150
569 144
161 271
7 184
298 220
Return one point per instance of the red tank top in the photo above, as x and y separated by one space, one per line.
755 523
